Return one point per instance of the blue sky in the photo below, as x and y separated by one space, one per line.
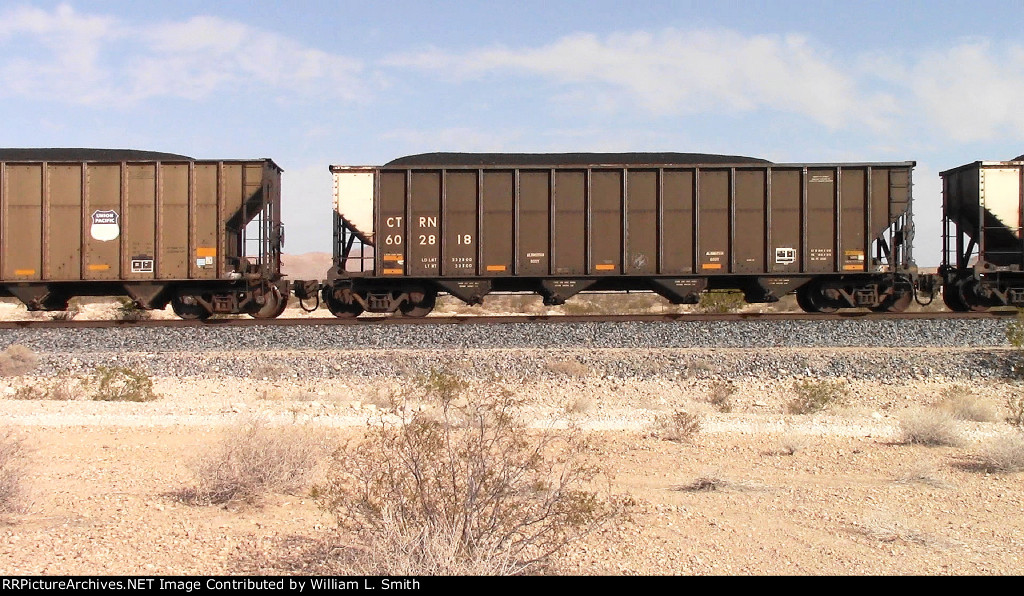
316 83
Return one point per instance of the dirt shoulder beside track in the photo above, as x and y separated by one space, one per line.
831 493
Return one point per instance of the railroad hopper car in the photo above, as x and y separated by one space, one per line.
983 250
202 235
838 235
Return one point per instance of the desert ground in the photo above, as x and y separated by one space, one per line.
754 490
754 487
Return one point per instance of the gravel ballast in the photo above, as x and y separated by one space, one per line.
696 334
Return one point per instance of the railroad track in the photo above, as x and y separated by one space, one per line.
503 319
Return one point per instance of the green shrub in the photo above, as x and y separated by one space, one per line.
812 396
128 310
120 383
720 302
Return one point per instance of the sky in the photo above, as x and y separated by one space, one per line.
310 84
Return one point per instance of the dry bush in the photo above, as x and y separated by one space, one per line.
679 426
963 405
1004 453
919 472
17 360
812 396
583 404
929 426
1015 405
62 388
705 484
120 383
884 527
269 371
568 368
253 460
712 482
790 443
579 306
467 491
12 472
720 396
66 315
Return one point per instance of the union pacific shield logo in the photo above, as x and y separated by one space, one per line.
104 225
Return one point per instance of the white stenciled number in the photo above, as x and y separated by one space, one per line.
428 239
393 239
465 239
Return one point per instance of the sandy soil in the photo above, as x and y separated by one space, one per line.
832 493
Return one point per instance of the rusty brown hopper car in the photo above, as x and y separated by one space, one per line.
673 223
983 252
202 235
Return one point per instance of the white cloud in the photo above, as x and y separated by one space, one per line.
971 91
685 72
968 91
66 56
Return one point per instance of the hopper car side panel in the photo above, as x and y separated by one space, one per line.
202 235
842 231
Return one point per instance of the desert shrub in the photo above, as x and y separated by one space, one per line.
254 460
568 368
679 426
1004 453
580 306
812 396
721 302
929 426
128 310
583 404
62 388
12 471
962 404
464 491
1015 405
16 360
66 315
720 396
791 442
120 383
269 371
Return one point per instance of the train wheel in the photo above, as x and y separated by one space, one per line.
898 302
966 291
274 306
900 299
810 299
339 308
419 304
189 312
951 296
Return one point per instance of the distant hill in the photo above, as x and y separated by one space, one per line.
310 265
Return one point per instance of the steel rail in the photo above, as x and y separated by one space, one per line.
502 319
